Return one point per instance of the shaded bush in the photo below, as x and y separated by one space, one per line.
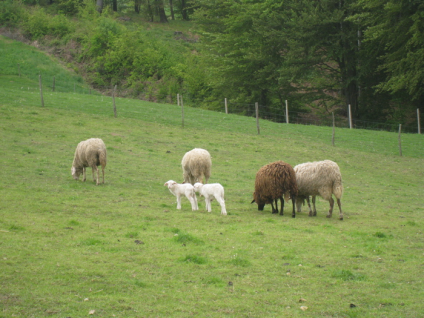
11 13
39 24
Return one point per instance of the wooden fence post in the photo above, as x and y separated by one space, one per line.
350 117
257 117
333 129
400 143
178 99
41 90
54 83
113 97
226 106
287 112
182 111
418 120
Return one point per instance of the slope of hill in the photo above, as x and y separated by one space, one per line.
70 248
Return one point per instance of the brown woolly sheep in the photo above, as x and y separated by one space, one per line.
321 178
196 164
89 153
274 181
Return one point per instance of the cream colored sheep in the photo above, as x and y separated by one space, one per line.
321 178
196 164
89 153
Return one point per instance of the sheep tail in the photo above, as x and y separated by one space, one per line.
102 158
338 189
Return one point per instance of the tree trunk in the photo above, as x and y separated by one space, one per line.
184 10
115 5
171 6
137 6
161 12
149 10
99 5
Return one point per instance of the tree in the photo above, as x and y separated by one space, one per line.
270 50
397 28
160 9
137 6
171 7
99 5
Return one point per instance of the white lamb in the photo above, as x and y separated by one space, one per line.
180 189
211 191
321 178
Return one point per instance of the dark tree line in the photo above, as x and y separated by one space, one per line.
319 54
322 53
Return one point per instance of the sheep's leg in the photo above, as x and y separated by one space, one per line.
83 174
339 203
222 204
294 206
95 170
330 212
274 210
178 202
313 203
309 204
282 205
208 204
103 173
193 202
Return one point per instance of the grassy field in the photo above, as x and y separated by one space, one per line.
122 249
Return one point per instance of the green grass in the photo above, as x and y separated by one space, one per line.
123 249
19 58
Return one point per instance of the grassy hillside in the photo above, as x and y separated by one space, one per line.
68 248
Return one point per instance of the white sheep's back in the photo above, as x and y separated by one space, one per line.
319 178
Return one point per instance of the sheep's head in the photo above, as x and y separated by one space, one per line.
300 200
76 172
169 183
198 186
258 201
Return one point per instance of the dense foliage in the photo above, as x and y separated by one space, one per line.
320 55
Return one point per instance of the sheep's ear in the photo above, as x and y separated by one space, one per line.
252 201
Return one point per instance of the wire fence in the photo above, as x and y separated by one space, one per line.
280 115
276 114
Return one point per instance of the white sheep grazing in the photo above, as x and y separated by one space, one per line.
89 153
321 178
196 164
180 189
211 191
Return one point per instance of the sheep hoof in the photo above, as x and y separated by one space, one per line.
329 215
341 218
